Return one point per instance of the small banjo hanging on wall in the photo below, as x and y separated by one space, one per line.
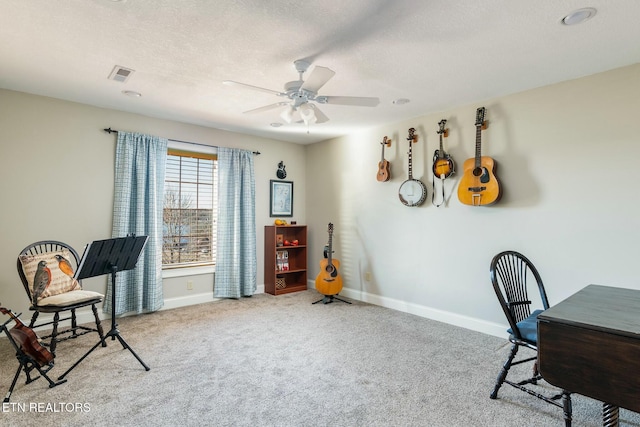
412 192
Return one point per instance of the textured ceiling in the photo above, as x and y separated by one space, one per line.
437 53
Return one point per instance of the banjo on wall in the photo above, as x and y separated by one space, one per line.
412 192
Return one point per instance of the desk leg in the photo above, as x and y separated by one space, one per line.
566 407
610 415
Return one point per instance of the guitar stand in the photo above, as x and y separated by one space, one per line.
113 333
328 299
27 364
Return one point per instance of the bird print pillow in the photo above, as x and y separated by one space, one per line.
49 274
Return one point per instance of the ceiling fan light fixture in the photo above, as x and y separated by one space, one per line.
307 114
287 114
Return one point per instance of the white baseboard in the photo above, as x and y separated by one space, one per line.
455 319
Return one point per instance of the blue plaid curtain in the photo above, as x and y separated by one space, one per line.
236 259
137 208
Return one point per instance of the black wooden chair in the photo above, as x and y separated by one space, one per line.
519 288
46 269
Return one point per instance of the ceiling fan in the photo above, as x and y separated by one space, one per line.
302 94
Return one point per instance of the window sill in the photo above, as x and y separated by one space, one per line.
188 271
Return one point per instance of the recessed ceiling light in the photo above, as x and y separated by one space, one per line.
132 93
401 101
579 16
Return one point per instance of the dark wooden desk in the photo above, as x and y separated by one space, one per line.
590 344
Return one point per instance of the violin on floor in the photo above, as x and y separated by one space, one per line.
28 341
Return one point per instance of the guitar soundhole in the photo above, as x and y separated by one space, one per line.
478 171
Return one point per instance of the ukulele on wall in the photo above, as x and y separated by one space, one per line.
384 168
443 165
329 281
412 192
479 186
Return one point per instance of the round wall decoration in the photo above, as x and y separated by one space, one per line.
281 173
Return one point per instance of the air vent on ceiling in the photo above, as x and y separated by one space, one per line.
120 74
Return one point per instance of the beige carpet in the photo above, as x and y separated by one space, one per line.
281 361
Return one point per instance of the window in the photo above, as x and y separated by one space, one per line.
190 209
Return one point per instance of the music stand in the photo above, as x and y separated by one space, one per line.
108 257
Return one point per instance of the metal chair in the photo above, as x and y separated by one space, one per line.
51 251
515 281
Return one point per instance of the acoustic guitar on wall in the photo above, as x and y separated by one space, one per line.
479 185
329 281
384 167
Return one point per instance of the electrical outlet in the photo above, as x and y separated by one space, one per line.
367 276
189 285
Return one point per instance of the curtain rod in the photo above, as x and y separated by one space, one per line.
110 131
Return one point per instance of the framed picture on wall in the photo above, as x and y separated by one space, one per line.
281 197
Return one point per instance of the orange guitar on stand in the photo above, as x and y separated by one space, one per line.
328 281
479 186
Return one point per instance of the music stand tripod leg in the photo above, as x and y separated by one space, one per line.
113 333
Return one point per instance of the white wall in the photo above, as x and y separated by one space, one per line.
568 163
566 157
56 182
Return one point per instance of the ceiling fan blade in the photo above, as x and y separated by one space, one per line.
265 108
361 101
318 77
261 89
320 116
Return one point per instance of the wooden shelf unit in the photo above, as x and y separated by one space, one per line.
295 279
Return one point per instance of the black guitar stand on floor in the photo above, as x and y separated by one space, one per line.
108 257
27 364
328 299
